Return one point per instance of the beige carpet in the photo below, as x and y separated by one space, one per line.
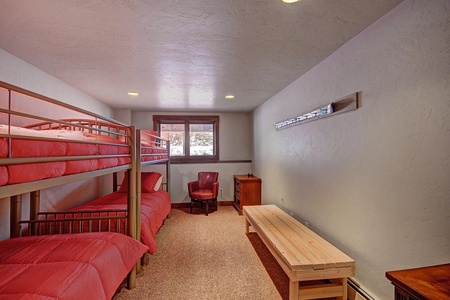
203 257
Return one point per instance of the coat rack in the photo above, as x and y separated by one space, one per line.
347 103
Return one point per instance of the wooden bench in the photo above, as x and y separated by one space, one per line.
302 254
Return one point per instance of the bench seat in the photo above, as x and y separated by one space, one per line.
303 255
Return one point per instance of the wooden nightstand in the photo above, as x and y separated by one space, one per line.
421 283
247 191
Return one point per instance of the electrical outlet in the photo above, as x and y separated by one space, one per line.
221 190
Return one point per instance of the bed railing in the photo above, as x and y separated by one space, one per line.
152 149
155 149
68 134
93 126
76 222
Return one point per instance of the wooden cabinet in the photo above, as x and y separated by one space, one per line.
247 191
421 283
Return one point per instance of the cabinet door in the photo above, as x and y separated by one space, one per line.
402 295
251 192
237 192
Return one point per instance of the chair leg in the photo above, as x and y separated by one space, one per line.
201 204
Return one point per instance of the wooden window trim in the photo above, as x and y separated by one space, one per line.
191 119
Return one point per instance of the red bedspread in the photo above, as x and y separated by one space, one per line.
64 143
77 266
155 207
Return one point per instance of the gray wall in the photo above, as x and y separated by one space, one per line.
374 182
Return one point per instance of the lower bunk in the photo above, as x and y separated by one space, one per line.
155 207
109 213
67 266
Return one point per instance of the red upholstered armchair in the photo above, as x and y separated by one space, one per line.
205 189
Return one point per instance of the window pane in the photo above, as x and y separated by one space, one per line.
174 133
201 144
201 139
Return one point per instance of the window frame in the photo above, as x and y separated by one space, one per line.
188 120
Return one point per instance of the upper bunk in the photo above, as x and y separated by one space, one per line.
46 143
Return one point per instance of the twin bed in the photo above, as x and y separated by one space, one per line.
75 266
55 254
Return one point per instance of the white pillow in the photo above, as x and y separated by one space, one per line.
158 183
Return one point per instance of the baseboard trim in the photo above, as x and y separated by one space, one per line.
188 204
356 292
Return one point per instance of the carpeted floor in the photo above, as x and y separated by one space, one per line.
208 257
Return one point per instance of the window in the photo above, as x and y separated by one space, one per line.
192 138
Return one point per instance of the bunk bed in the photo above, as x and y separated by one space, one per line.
108 212
151 149
39 152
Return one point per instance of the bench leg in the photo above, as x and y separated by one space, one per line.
247 225
343 282
293 290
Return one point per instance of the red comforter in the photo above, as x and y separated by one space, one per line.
63 144
77 266
155 207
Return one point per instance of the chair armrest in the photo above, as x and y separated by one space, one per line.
193 186
215 188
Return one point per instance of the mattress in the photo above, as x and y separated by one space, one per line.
65 143
155 207
62 143
77 266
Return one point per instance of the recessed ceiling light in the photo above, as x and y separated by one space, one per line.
133 94
229 97
290 1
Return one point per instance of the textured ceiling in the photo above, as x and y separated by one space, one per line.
181 55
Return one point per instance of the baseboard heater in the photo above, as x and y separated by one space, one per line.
356 292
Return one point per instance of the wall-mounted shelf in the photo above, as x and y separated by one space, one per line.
347 103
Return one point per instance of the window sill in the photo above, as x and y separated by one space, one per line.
176 162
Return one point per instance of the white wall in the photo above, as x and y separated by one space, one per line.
374 182
235 134
19 73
